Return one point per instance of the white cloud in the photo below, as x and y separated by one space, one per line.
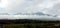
32 6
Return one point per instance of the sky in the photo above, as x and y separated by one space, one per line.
30 6
38 7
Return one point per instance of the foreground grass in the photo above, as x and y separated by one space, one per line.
33 25
29 24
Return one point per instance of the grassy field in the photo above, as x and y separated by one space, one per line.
30 24
33 25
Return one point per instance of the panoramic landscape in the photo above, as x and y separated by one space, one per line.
29 13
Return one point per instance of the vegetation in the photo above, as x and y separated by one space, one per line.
25 23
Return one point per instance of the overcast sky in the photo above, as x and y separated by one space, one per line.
41 7
30 6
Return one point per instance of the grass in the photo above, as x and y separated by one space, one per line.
33 25
30 24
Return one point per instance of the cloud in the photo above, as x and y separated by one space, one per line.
36 13
32 6
55 9
23 6
38 7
